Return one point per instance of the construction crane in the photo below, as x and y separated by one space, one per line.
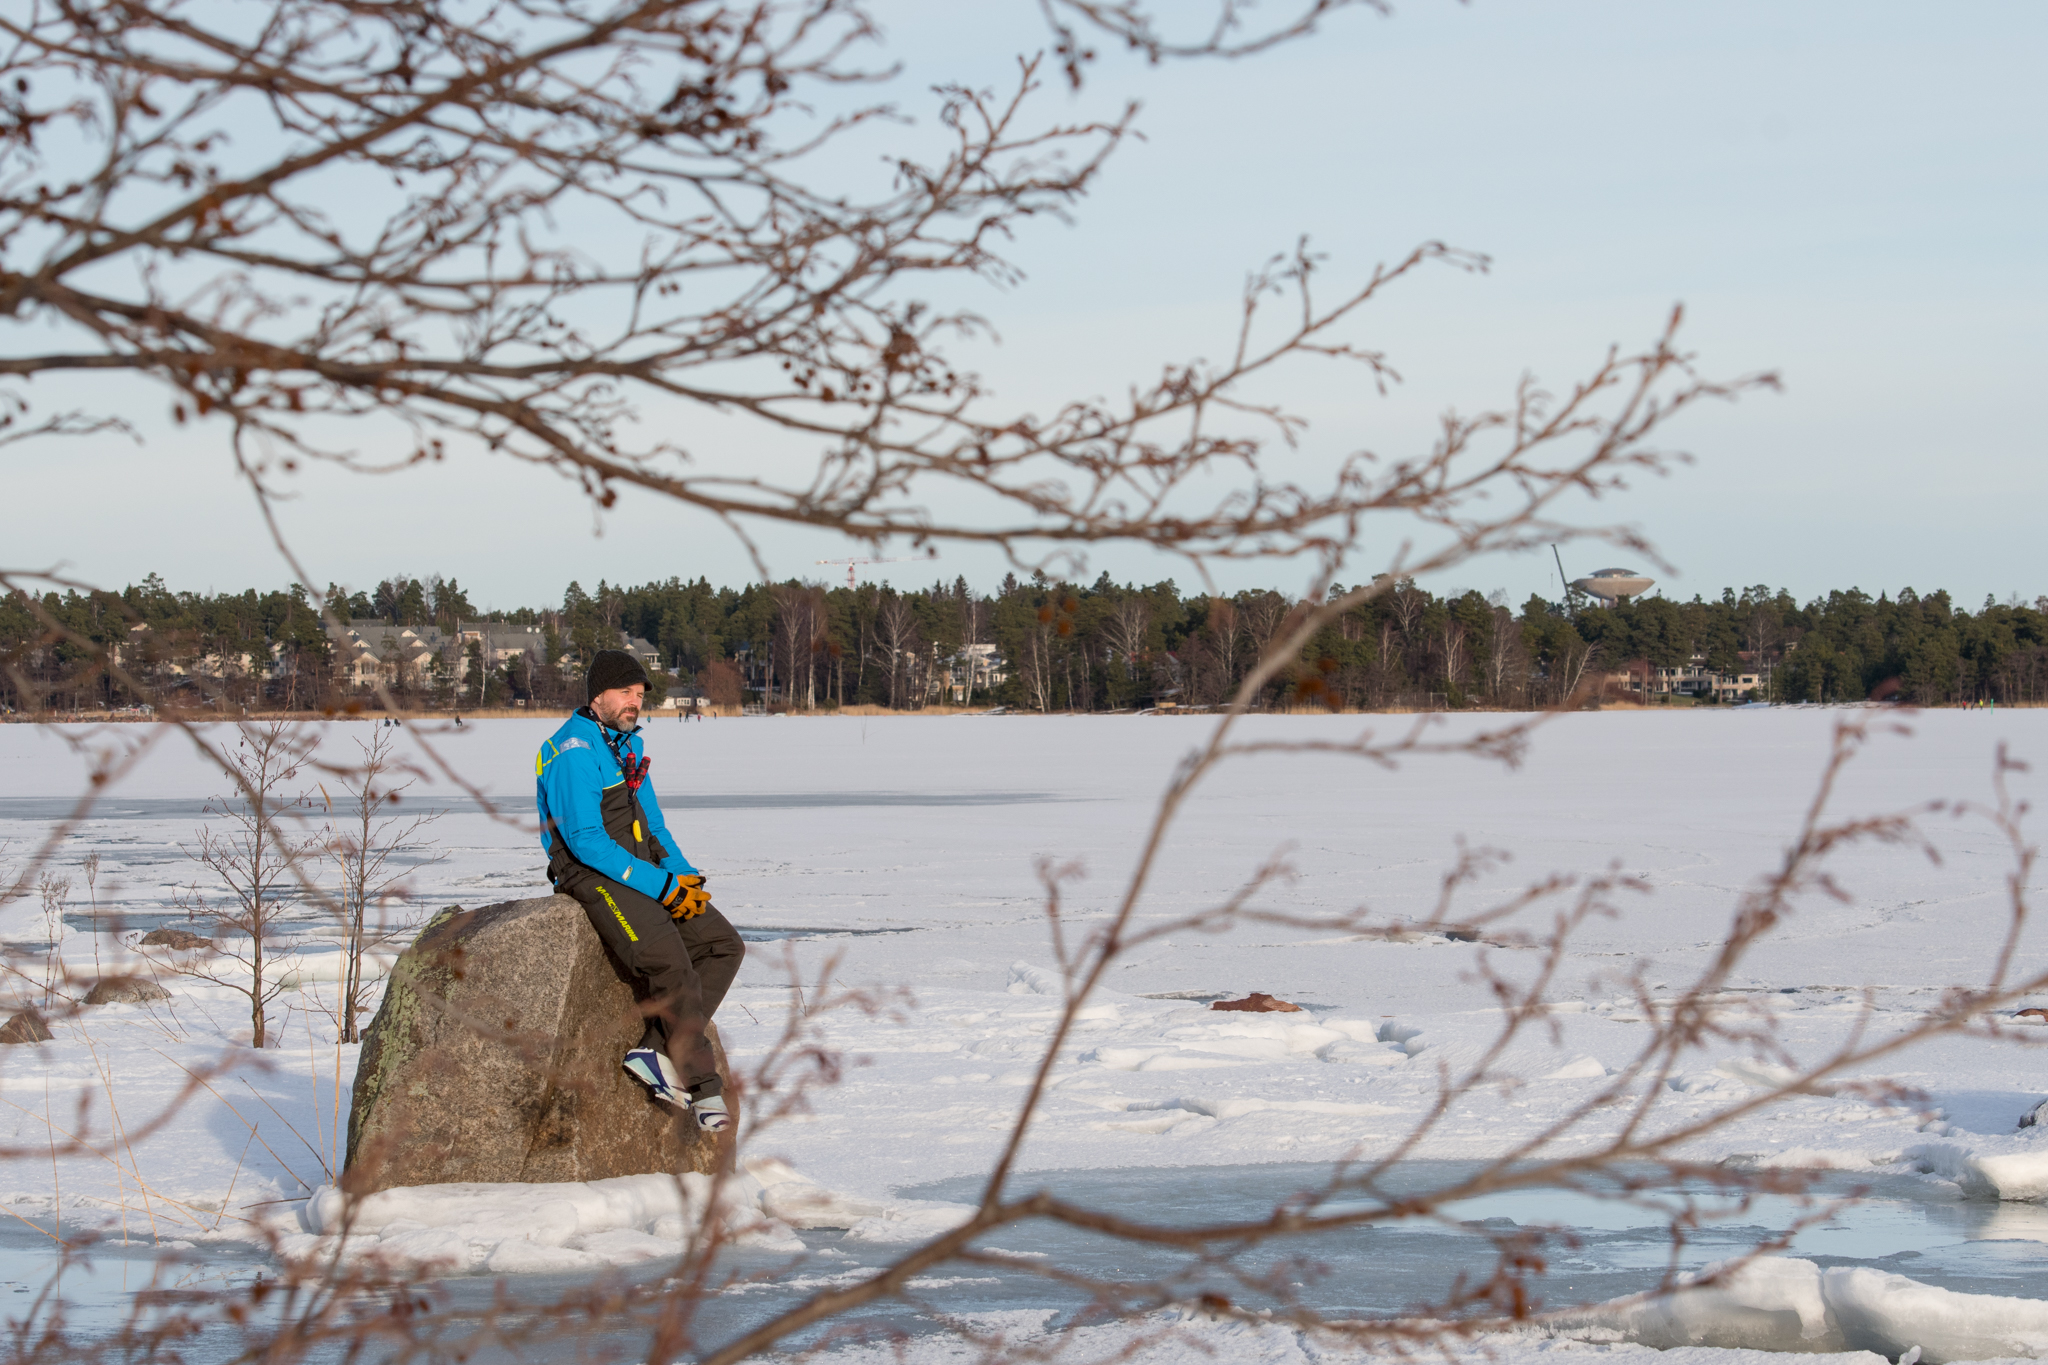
851 564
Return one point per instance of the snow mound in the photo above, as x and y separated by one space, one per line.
513 1229
1026 979
1579 1069
1784 1304
1363 1054
1760 1075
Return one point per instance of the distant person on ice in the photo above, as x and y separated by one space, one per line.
608 847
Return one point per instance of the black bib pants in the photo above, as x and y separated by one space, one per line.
684 967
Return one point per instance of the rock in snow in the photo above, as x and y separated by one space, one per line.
175 938
124 990
25 1026
495 1058
1258 1002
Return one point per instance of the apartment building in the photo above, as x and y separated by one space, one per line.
1692 679
976 670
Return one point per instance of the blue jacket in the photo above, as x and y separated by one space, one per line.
587 811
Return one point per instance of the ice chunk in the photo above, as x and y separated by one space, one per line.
911 1220
804 1203
1985 1174
1771 1304
1890 1313
1785 1304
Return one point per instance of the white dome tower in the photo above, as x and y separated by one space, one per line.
1613 585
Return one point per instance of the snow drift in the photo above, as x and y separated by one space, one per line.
513 1229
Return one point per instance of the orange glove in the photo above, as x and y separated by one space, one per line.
688 898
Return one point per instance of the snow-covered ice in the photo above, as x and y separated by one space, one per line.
905 852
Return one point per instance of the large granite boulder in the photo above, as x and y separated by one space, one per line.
495 1057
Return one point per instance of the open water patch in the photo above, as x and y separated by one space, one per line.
1593 1249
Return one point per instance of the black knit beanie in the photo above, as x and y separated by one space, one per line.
613 668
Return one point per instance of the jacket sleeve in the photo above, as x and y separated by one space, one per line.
657 825
572 781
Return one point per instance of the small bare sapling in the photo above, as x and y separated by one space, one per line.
374 851
258 865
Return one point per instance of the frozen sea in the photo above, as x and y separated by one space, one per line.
906 852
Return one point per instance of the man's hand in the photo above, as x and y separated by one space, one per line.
687 898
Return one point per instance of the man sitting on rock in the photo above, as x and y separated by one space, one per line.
608 847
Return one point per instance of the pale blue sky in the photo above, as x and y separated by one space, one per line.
1851 194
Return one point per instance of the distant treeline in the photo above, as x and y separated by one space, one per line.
1040 644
